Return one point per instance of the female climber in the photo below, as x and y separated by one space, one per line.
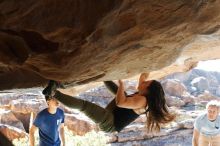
123 109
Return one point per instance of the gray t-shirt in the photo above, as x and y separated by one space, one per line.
206 127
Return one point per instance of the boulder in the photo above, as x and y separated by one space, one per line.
188 98
218 91
173 87
79 124
201 84
27 106
24 118
174 101
206 96
7 117
7 97
12 132
187 124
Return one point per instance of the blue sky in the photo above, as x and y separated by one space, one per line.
211 65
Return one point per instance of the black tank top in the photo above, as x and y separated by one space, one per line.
123 117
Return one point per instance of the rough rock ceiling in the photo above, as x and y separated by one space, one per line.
79 41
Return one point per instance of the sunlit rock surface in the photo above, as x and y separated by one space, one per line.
79 41
8 118
12 132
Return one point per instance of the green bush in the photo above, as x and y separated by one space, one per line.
89 139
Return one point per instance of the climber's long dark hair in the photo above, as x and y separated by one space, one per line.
158 112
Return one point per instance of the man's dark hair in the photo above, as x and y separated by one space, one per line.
47 97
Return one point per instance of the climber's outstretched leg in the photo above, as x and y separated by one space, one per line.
98 114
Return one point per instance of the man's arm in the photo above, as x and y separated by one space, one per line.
31 135
62 136
195 138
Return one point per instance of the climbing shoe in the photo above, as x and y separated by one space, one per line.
51 88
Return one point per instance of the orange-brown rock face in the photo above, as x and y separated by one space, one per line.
79 41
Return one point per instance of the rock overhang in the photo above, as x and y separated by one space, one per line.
83 41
